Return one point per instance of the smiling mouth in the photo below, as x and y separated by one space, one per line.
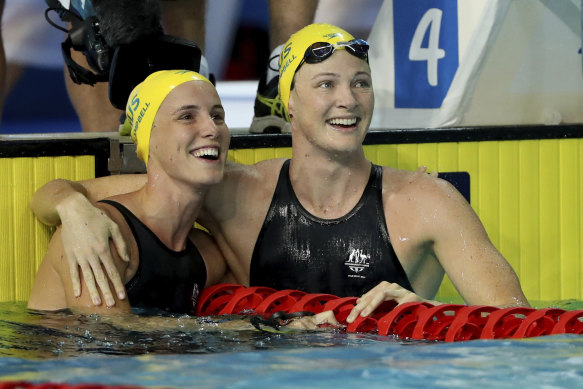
208 153
343 122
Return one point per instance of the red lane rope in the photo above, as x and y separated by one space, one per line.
415 320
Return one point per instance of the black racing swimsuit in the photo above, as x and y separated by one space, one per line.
347 256
165 279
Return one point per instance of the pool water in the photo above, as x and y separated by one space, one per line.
72 348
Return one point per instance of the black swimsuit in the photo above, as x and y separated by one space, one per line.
347 256
165 279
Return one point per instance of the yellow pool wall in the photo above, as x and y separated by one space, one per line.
528 194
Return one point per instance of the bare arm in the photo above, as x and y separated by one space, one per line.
52 288
86 230
442 232
53 198
476 268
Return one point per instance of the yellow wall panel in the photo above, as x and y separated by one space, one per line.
42 233
24 238
528 193
447 157
250 156
407 157
508 199
570 217
529 223
468 162
427 156
385 155
242 156
487 205
84 167
7 274
284 152
550 276
24 244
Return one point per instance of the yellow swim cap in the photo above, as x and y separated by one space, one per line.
295 48
144 102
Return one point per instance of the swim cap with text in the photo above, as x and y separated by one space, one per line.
295 48
145 100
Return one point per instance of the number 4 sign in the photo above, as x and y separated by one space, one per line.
426 51
425 57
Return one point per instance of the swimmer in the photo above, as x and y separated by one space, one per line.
178 125
327 220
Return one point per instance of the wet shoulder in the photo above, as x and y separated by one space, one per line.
418 186
251 185
263 171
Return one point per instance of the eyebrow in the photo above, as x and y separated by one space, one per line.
196 108
326 74
332 74
186 108
363 73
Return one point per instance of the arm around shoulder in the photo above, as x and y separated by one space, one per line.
53 290
46 201
87 230
58 196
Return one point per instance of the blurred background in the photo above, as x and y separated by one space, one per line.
236 49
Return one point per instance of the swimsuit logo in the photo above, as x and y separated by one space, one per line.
357 261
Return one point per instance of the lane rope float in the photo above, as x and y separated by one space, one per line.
414 320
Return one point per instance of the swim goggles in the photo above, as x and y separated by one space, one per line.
319 51
277 320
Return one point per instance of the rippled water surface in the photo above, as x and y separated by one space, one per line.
182 352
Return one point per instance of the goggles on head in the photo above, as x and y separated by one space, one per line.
319 51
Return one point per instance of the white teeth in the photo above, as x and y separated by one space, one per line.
343 122
207 152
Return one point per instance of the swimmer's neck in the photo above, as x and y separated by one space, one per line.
170 214
329 188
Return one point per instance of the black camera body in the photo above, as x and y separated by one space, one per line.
126 58
132 63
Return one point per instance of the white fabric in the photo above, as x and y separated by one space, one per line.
28 38
517 63
355 16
